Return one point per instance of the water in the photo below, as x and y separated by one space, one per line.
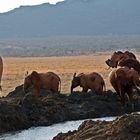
47 133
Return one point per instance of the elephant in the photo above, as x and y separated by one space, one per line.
123 80
93 81
130 63
119 56
1 71
37 81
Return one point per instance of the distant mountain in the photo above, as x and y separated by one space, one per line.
72 17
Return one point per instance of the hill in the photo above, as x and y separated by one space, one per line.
72 17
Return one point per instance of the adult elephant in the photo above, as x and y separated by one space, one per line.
123 81
93 81
130 63
1 71
119 56
37 81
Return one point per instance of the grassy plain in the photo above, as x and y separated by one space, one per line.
64 66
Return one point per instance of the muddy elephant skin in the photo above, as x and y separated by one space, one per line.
123 81
130 63
119 56
37 81
93 81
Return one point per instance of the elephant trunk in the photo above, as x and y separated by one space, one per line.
109 62
71 89
24 89
27 89
112 64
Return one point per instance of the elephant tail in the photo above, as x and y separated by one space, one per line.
59 85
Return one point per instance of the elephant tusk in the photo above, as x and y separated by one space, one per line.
107 68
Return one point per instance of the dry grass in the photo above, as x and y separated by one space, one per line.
15 68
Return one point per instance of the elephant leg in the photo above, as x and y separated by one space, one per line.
137 89
130 96
94 91
116 87
85 89
55 87
122 95
36 91
98 90
55 90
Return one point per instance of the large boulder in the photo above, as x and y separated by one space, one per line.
11 117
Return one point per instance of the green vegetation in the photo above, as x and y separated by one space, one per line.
75 45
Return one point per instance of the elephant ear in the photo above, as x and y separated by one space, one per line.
83 80
74 75
26 74
130 54
124 57
35 78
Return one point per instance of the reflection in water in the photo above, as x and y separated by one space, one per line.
47 133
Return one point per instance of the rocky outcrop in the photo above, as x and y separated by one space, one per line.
19 110
126 127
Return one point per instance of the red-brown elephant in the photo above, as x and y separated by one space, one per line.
93 81
123 81
130 63
1 71
37 81
119 56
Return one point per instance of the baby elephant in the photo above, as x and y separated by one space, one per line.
37 81
92 81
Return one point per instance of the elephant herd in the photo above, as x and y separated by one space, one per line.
124 77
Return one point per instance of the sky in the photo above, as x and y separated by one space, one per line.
7 5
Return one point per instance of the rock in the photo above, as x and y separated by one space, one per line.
12 118
19 110
126 127
18 92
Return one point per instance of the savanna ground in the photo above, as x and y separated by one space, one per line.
65 66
